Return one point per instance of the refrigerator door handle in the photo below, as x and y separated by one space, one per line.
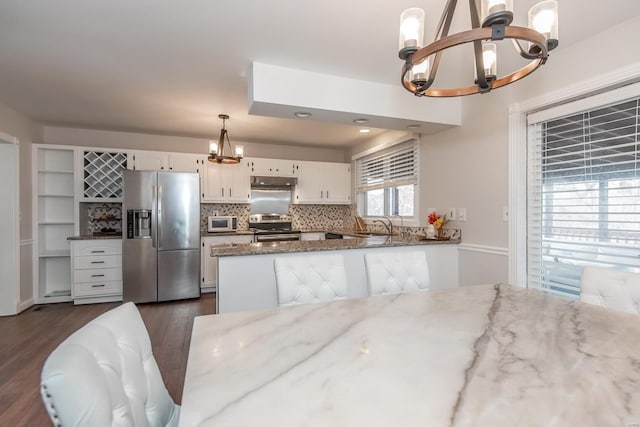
159 207
154 226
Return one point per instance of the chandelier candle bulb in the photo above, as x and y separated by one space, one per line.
412 28
213 147
496 10
543 18
490 59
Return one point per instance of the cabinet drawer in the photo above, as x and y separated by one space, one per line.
99 261
97 289
97 247
97 275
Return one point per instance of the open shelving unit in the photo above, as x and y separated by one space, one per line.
54 202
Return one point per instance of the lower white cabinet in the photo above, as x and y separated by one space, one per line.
96 270
209 264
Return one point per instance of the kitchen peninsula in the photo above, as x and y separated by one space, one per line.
246 278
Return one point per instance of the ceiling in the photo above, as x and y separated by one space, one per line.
171 67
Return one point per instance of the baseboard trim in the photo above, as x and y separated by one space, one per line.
23 305
492 250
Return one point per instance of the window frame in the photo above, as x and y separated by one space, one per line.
360 192
601 85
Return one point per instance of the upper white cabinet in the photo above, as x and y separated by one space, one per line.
162 161
224 183
271 167
323 183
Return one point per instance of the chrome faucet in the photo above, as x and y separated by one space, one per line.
388 225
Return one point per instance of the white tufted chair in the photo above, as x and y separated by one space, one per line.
396 272
308 279
104 374
619 290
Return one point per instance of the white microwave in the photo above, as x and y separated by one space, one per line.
217 224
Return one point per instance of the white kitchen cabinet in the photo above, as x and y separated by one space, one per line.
224 183
323 183
96 268
163 161
150 161
272 167
209 264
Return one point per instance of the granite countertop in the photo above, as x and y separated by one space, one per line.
491 355
238 249
95 237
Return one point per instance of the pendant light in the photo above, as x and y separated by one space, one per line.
216 149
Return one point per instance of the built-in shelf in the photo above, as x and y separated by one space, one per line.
55 253
56 294
54 203
60 222
56 171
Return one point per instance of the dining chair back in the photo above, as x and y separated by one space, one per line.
310 278
396 272
615 289
105 374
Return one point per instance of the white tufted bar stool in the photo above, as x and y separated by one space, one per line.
105 374
618 290
396 272
310 278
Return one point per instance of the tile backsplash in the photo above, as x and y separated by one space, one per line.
100 218
304 216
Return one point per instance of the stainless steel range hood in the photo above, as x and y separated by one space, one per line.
273 182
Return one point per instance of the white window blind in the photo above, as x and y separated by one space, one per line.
392 167
583 194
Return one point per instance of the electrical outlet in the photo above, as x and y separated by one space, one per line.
505 213
451 216
462 214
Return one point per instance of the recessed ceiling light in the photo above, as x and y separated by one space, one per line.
302 114
413 127
361 121
365 130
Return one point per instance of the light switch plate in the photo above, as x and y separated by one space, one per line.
462 214
451 216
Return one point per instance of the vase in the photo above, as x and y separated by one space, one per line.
431 231
440 233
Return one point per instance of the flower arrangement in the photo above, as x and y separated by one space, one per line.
436 220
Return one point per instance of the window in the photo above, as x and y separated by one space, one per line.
583 192
386 181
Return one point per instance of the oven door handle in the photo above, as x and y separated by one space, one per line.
278 238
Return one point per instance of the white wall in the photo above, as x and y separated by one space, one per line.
468 166
27 131
142 141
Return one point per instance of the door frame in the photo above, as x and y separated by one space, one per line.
10 292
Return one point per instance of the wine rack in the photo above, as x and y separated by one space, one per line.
103 174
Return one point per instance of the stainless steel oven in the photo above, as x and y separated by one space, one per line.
272 228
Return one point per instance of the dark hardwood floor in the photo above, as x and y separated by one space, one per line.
26 340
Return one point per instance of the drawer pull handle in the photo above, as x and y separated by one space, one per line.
98 286
97 262
97 252
97 275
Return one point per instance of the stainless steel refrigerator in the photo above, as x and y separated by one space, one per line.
161 238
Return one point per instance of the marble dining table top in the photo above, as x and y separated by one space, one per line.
491 355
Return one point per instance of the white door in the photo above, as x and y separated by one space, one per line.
151 161
184 162
9 259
